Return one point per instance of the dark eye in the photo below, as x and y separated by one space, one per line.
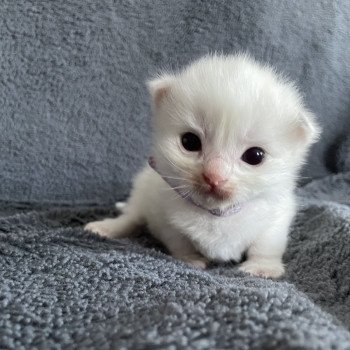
253 156
191 142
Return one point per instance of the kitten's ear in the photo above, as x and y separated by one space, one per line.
159 88
306 131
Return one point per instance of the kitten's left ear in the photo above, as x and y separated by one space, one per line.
159 88
306 130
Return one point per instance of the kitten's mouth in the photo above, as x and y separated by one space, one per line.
219 194
216 203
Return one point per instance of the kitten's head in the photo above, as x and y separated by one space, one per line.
227 130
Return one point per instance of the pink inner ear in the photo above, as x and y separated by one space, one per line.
300 132
306 132
159 88
159 94
152 162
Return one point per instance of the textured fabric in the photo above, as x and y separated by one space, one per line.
74 109
343 154
63 288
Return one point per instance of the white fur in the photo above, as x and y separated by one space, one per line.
233 104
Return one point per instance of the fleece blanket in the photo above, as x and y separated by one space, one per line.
61 287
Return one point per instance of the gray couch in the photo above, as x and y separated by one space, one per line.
75 128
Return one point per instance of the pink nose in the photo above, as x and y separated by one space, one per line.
216 171
214 179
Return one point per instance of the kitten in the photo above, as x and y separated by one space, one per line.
229 137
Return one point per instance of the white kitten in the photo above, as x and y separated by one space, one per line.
229 139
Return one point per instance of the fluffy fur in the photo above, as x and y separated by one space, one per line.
232 104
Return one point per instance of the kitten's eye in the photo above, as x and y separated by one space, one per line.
191 142
253 156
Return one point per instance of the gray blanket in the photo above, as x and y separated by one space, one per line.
63 288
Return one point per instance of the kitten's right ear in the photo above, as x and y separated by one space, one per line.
159 88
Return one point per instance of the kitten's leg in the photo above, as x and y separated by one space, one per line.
264 256
132 216
182 248
122 226
120 206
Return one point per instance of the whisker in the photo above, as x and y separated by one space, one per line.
187 194
175 178
191 182
176 166
177 195
175 188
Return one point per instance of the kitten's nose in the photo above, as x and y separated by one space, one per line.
213 179
215 172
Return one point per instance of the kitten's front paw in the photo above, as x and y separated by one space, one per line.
263 268
104 228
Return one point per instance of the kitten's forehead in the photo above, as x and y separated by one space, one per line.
227 116
234 100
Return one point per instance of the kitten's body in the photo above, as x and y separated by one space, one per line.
240 116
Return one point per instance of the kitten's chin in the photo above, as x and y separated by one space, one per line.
214 200
215 197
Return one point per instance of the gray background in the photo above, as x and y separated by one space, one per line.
74 107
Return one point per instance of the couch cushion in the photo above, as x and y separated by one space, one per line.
74 108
